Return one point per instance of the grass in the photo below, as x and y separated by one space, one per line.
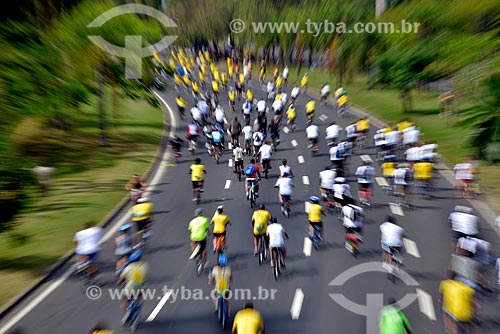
88 184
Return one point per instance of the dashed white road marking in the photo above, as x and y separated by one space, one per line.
225 120
228 184
411 247
323 117
366 158
381 181
285 129
396 209
305 180
298 299
307 246
158 307
301 159
425 304
294 143
230 163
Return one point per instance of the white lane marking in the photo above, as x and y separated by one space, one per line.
230 163
159 173
366 158
158 307
298 299
305 180
307 205
294 143
381 181
285 129
411 247
396 209
225 120
228 184
307 246
301 159
323 117
426 304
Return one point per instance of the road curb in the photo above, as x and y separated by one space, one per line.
484 208
52 269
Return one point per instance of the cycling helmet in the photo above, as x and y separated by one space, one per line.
125 227
198 212
143 200
222 260
314 199
135 256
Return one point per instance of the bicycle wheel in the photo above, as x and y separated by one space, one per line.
276 260
199 265
261 250
252 198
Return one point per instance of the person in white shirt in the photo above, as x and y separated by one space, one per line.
238 158
332 133
261 105
312 133
366 176
270 87
402 175
276 235
392 139
326 180
247 110
342 192
203 106
411 136
257 142
337 159
285 189
285 168
285 75
463 223
412 154
325 91
88 246
277 107
294 93
265 152
247 135
351 132
352 218
391 239
196 115
284 99
464 177
219 115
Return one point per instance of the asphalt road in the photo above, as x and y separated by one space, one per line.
304 300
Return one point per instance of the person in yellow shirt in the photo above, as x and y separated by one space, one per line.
215 87
403 125
303 82
197 171
177 80
260 220
291 114
314 215
201 76
458 306
231 94
220 222
141 215
422 172
310 107
362 126
388 167
223 78
187 81
279 82
216 75
195 89
248 321
242 79
250 95
181 105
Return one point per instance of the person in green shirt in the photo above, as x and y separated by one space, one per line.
198 229
392 320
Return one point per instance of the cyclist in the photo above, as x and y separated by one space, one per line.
219 116
123 245
388 169
232 97
402 177
392 320
458 305
325 91
257 141
197 115
197 170
261 106
342 192
181 105
224 79
285 189
222 277
141 215
270 90
291 114
176 143
88 247
277 106
286 70
314 215
463 223
247 110
238 159
391 239
310 107
248 321
247 136
136 186
195 89
352 219
274 131
192 135
277 235
362 127
252 177
133 275
285 168
312 133
423 175
279 82
217 139
366 175
198 228
249 94
294 93
303 82
265 152
215 87
220 222
326 180
260 219
332 134
235 130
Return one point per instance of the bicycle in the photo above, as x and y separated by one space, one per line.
266 166
261 248
133 314
361 142
88 274
279 262
251 194
222 310
285 208
395 264
353 238
315 237
198 259
239 172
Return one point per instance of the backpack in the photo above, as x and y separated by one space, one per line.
222 284
249 170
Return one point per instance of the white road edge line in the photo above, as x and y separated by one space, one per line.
294 143
228 184
160 305
300 159
305 180
307 249
298 299
425 304
159 173
411 247
396 209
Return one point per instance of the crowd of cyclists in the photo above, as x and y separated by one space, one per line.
401 161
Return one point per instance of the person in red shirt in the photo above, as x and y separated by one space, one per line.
252 174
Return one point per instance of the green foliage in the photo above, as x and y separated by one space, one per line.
492 152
